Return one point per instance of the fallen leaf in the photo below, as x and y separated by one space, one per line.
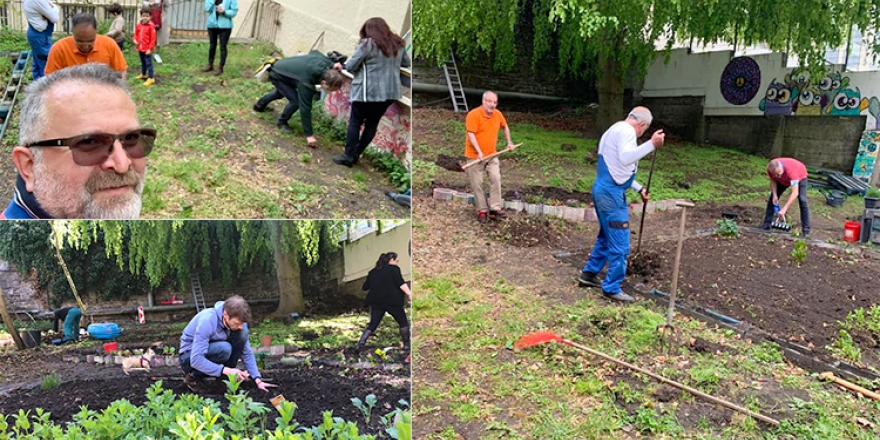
864 422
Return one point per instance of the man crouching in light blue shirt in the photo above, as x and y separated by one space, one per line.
213 342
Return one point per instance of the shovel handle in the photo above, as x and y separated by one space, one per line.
849 385
472 163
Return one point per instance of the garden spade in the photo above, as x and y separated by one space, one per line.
673 330
645 204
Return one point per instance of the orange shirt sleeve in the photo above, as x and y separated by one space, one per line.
117 59
53 63
471 125
503 121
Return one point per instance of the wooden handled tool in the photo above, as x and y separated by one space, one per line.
849 385
472 163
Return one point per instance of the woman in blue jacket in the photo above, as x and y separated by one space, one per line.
376 67
220 13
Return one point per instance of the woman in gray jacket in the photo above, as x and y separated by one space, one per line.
376 67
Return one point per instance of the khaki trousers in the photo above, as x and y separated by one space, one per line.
475 175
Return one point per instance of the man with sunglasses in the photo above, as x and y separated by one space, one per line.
78 159
213 342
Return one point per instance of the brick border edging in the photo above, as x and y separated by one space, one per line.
275 350
565 212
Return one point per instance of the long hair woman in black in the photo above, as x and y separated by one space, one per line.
387 292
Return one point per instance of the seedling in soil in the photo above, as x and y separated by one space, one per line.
845 347
799 253
727 228
168 351
50 381
367 408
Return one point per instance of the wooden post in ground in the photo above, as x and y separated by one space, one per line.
8 321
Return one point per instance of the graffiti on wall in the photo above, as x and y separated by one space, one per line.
740 80
832 95
867 155
393 132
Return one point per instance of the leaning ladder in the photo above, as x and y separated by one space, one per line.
453 81
198 295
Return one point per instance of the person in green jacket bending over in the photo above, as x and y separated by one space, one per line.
295 78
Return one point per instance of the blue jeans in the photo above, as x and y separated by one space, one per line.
612 242
40 43
226 353
146 64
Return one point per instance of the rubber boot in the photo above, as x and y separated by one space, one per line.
404 334
363 341
209 68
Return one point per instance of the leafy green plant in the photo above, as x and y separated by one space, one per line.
398 423
261 357
873 192
366 406
387 163
799 252
423 173
727 228
50 381
845 347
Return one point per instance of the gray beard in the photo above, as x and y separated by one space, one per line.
62 202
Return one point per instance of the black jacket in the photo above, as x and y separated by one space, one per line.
384 286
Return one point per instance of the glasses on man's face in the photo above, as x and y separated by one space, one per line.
94 148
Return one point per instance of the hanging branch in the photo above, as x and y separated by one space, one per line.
57 237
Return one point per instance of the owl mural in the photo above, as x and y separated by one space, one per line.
848 102
828 87
777 100
809 102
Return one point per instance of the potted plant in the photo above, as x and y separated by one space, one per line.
872 198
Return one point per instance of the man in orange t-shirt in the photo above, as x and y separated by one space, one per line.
86 46
482 127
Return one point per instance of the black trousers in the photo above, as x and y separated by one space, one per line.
378 312
223 34
283 89
802 203
367 114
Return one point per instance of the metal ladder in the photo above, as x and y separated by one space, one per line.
9 93
198 295
453 81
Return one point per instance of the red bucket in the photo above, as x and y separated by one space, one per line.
852 231
110 347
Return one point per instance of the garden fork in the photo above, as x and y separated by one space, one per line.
669 327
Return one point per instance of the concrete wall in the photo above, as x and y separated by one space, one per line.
758 105
20 289
361 255
303 21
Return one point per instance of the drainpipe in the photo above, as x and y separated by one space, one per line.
437 88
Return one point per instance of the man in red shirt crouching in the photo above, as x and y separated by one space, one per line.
786 172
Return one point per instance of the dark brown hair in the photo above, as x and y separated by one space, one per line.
146 11
115 8
332 78
237 307
388 42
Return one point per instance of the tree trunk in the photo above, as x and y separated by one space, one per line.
10 326
289 277
610 88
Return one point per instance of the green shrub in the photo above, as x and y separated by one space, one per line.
50 382
727 228
385 162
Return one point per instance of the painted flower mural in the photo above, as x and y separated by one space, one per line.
740 80
393 133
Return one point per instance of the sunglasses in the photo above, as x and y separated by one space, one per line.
94 148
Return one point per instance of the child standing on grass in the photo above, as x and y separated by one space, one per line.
145 40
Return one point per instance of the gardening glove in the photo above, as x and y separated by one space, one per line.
264 385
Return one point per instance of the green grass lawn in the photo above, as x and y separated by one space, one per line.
216 158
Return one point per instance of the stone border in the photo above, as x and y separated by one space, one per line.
574 214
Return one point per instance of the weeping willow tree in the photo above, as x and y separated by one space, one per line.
610 38
162 249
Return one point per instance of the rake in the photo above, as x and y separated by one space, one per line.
548 336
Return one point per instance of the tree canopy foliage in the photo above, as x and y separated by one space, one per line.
581 32
119 258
